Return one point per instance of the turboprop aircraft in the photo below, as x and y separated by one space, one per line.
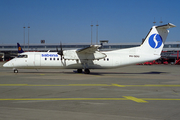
91 58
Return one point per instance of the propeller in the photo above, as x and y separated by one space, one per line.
60 52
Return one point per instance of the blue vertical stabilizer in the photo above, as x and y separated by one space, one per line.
20 50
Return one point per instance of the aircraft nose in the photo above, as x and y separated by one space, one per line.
7 64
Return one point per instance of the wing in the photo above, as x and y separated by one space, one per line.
88 53
90 49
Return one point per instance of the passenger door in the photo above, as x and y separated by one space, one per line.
37 60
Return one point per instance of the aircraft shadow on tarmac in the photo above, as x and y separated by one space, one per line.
92 73
101 73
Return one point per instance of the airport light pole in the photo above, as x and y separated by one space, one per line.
97 33
24 35
91 32
28 36
154 22
161 21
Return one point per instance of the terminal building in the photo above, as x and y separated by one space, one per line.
8 51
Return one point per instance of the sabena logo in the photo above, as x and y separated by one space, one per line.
49 55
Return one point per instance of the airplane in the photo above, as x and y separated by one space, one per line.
91 58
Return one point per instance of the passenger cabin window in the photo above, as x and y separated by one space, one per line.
51 58
22 56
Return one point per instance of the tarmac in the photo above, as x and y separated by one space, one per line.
137 92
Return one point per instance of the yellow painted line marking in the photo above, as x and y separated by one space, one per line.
168 99
11 99
152 85
74 85
135 99
46 85
13 84
118 85
89 85
55 85
139 100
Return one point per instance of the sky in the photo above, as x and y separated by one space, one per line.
68 21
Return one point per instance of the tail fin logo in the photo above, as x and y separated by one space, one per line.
19 48
155 41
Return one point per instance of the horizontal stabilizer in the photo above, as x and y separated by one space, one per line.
166 26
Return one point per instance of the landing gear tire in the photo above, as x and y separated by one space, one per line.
79 70
15 71
86 71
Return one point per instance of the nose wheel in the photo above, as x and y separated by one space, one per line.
15 71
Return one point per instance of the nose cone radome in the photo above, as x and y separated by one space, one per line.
7 64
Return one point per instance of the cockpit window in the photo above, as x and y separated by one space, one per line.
22 56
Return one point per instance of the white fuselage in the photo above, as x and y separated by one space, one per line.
117 58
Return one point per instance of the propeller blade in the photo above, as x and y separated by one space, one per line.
61 46
61 51
57 50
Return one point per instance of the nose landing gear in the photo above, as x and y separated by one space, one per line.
15 71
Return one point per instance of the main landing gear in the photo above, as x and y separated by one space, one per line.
79 70
86 71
